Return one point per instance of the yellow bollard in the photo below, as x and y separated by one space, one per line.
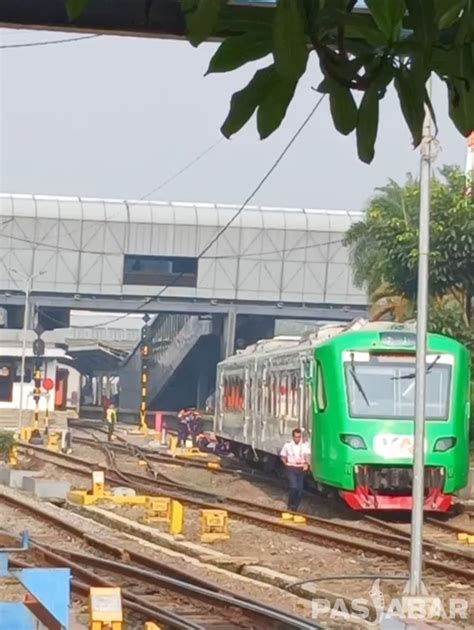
54 442
105 607
25 434
165 510
173 444
157 510
214 525
13 457
177 518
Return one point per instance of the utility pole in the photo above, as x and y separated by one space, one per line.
416 552
470 166
26 316
29 281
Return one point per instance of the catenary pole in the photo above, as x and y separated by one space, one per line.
26 317
416 552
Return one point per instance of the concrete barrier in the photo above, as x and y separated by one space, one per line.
47 489
14 478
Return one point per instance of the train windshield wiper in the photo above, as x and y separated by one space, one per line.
413 374
357 382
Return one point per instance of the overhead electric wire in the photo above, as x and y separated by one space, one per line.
215 238
182 170
264 178
51 42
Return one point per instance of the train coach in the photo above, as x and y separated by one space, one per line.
351 389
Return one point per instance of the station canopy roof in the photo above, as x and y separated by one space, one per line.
95 358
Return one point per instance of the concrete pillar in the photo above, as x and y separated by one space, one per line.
230 324
202 387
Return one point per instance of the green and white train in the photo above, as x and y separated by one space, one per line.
351 388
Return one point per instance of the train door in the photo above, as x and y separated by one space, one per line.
255 399
219 411
247 403
306 393
265 403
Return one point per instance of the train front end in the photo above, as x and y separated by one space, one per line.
371 451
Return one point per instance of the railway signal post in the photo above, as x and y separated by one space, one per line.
38 351
145 352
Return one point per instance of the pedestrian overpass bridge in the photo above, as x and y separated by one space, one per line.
141 256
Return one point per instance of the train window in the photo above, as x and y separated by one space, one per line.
250 394
233 393
320 389
284 394
294 395
274 395
268 385
388 390
259 393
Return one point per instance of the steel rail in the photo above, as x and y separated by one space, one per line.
181 580
313 534
153 577
131 601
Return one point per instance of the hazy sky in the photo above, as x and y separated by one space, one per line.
114 117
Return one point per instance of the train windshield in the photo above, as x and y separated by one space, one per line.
384 389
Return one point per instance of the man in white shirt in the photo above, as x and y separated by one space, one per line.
295 455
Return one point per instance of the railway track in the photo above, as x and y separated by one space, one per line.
152 589
438 531
226 467
439 559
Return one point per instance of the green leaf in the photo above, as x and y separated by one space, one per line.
367 124
290 48
447 11
274 105
454 62
423 21
461 106
202 21
343 107
240 49
75 8
361 27
412 101
457 68
242 19
388 16
244 103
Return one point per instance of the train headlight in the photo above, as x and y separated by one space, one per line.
354 441
444 444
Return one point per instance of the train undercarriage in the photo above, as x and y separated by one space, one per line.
390 488
379 488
